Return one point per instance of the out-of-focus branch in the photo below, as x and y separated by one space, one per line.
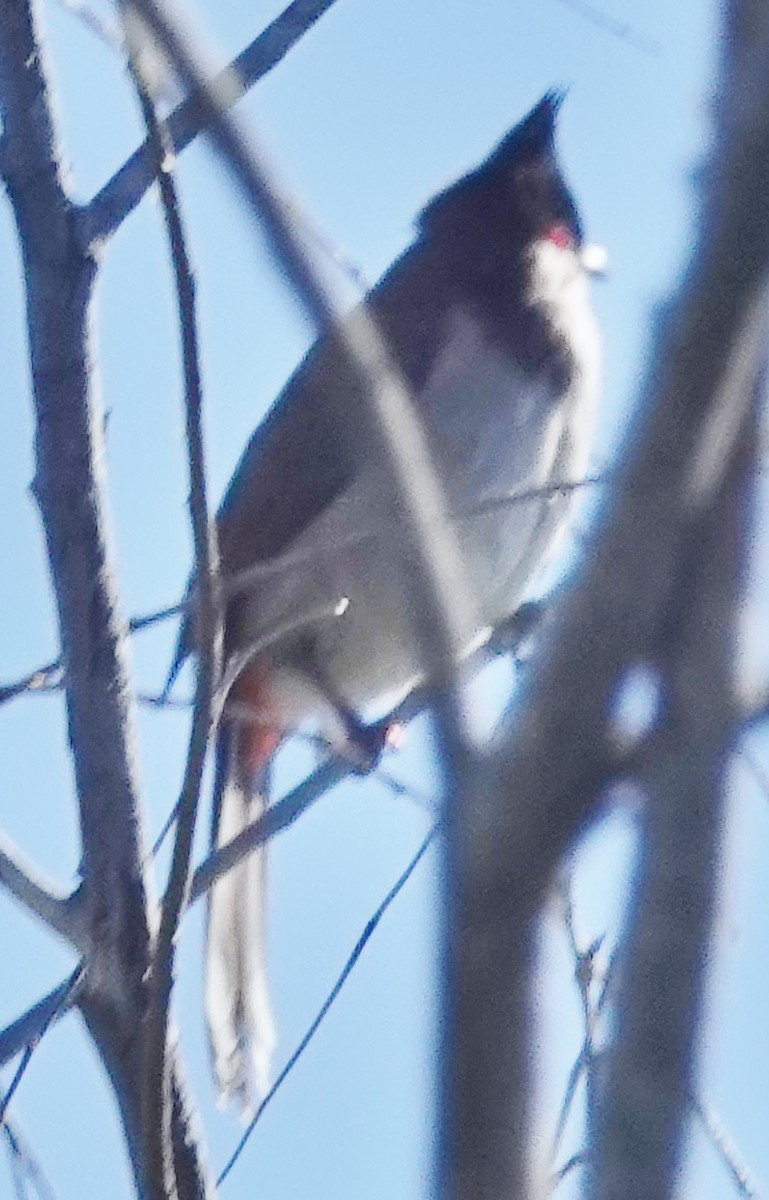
649 1074
122 193
441 597
622 30
38 896
157 1107
650 1070
537 790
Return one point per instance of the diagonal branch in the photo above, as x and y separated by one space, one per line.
282 814
109 208
64 996
721 1142
31 1025
328 1003
36 894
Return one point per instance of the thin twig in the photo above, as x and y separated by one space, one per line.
360 945
105 30
756 768
32 1024
50 677
622 30
156 1098
727 1151
44 679
576 1160
18 1177
68 993
755 709
584 974
26 1162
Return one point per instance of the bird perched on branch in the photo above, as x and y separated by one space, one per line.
488 317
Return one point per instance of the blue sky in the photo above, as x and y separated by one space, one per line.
376 109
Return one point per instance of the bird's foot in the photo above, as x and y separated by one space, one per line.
367 743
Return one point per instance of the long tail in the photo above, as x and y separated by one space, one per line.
240 1027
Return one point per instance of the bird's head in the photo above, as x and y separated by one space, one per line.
515 199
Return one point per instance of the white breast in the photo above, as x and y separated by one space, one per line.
494 434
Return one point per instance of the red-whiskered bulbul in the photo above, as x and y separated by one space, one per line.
488 316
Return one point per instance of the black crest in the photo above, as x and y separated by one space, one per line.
516 193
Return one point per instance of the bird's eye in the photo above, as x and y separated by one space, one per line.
560 235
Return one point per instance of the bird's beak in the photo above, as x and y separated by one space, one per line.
595 260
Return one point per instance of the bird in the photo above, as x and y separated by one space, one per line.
488 316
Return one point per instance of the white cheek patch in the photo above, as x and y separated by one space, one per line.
553 270
561 286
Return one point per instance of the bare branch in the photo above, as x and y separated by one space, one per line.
757 770
44 679
115 201
66 995
159 1166
571 1164
70 490
282 814
37 894
49 677
69 487
31 1026
755 710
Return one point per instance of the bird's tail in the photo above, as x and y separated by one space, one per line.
240 1027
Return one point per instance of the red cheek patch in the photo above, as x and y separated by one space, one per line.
560 235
